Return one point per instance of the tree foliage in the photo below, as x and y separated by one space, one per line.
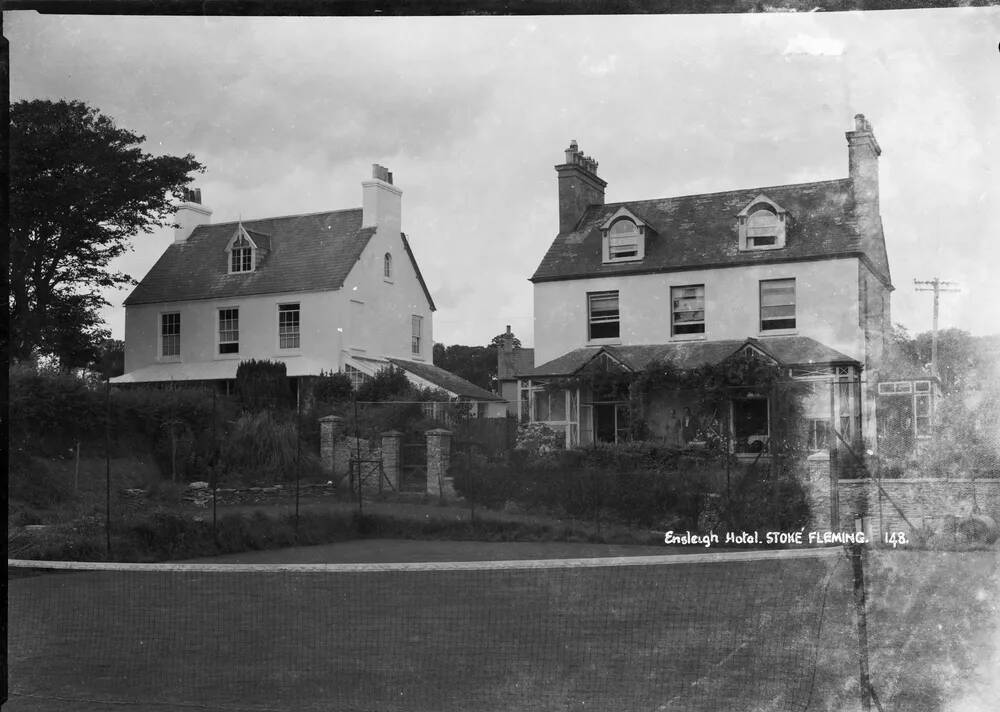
263 385
476 364
80 188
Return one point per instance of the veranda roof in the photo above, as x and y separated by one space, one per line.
786 350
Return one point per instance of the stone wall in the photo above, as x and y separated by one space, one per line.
923 503
820 489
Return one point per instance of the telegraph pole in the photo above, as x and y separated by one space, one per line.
937 286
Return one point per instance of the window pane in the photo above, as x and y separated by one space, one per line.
229 331
557 405
417 325
688 315
922 405
288 326
624 227
604 316
170 334
777 304
541 405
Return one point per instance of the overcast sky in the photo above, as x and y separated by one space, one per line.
472 113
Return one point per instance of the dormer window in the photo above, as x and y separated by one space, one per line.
762 225
623 240
241 252
624 237
241 257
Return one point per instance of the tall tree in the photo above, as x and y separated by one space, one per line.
476 364
80 188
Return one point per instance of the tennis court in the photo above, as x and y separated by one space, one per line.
620 635
745 631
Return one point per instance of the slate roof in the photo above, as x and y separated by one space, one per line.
786 350
313 252
446 380
511 363
700 231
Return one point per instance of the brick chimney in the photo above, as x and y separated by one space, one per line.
579 187
190 214
863 152
381 205
506 367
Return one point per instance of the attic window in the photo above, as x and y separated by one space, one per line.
623 237
623 240
762 225
762 228
241 254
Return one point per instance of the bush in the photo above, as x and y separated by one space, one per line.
332 388
263 385
259 446
180 426
759 504
33 481
637 484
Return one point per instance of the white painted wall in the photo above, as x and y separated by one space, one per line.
381 309
826 306
320 315
370 316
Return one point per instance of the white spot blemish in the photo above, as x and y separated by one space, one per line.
817 46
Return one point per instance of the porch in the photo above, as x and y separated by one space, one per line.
738 397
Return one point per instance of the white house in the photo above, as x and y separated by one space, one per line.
330 291
796 273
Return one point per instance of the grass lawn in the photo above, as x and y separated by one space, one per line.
767 635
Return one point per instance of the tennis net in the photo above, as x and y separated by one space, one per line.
713 631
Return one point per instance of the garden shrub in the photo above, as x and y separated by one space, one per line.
262 447
759 503
263 384
638 484
33 481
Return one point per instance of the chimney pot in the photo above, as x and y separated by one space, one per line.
190 214
579 187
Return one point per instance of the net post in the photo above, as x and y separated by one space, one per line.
107 464
859 605
298 450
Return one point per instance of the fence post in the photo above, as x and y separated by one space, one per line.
859 606
391 442
438 462
330 429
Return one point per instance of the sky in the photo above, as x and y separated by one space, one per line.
472 113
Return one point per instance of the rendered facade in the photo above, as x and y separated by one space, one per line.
798 274
330 291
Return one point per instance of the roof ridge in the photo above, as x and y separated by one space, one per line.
722 192
282 217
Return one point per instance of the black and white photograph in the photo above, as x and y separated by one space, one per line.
434 360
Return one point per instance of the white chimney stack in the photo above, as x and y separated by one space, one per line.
190 214
381 205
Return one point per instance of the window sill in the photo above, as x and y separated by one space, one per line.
168 359
228 357
611 341
288 353
777 332
688 337
388 281
762 248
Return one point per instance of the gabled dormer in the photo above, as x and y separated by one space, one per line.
623 237
762 225
245 250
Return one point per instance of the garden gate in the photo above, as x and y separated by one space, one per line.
413 462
